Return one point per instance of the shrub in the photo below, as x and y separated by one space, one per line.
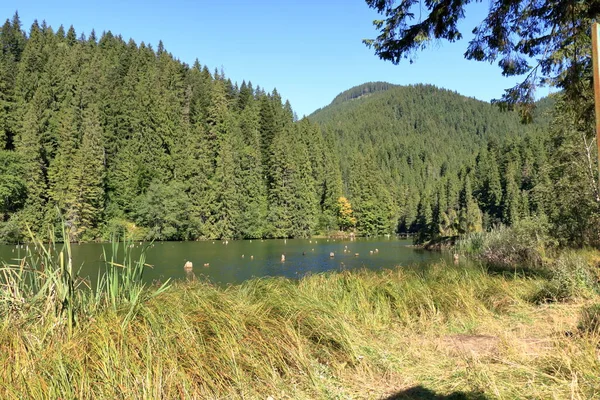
571 276
119 227
526 243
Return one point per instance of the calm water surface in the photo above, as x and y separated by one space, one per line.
240 260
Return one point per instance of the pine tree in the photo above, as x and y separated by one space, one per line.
575 197
85 213
226 183
424 222
12 44
253 192
268 130
511 202
198 172
332 188
62 168
12 185
470 219
281 186
30 151
488 186
372 202
71 36
245 97
304 205
7 105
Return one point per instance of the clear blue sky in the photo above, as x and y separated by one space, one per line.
309 50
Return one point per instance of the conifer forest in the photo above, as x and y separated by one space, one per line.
111 136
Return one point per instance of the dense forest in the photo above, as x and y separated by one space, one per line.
111 137
436 164
417 156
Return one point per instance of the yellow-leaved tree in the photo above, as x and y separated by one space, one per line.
345 218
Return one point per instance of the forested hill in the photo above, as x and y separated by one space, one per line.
408 152
359 91
111 136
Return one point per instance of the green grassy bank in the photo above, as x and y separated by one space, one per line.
464 333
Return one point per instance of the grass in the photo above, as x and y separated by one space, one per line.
44 284
390 334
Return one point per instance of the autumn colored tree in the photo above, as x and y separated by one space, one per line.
345 218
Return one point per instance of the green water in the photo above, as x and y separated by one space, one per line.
240 260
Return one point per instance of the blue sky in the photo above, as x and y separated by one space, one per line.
309 50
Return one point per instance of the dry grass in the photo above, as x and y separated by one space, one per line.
360 335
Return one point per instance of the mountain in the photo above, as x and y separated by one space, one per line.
357 92
403 146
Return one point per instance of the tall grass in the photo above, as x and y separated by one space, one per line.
41 283
354 334
526 243
122 281
44 284
527 248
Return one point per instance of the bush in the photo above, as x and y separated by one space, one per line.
10 231
122 228
526 243
571 277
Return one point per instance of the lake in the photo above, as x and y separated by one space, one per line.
240 260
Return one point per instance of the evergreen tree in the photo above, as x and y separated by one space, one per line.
280 193
85 212
12 185
227 202
575 198
511 200
424 222
469 216
488 185
332 188
253 192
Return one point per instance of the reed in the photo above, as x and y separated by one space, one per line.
121 283
45 281
44 284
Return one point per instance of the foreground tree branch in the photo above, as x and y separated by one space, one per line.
548 42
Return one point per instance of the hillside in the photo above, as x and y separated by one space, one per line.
403 142
115 137
357 92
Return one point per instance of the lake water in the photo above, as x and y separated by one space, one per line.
240 260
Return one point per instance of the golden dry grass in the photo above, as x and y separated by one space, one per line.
358 335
